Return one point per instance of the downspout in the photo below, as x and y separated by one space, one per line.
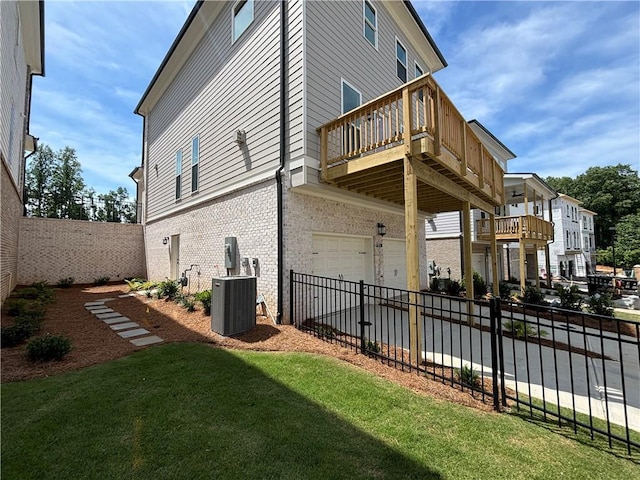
280 214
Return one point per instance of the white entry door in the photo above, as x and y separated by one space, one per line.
394 263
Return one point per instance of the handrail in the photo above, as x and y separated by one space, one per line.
518 226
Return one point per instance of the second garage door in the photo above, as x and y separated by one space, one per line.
394 262
344 257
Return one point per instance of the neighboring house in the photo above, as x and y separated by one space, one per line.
522 227
573 252
245 138
444 231
21 57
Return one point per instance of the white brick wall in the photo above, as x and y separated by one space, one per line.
11 208
249 215
51 249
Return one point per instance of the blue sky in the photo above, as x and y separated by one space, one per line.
557 82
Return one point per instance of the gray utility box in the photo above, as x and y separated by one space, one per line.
233 304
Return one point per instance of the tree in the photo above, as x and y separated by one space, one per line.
628 241
612 192
116 207
38 181
67 186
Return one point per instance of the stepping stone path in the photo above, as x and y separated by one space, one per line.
120 324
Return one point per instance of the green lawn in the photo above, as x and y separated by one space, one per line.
191 411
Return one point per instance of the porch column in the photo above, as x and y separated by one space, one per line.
547 261
523 271
467 249
413 260
494 255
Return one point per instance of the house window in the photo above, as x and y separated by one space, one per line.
351 98
195 159
242 17
178 173
401 61
370 21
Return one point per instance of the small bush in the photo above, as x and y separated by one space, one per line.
168 289
48 347
521 330
41 285
101 281
600 304
188 303
479 285
204 298
373 347
505 290
44 295
324 331
534 296
65 282
467 376
453 287
435 284
16 306
16 334
570 297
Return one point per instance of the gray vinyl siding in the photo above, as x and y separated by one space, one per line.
13 78
221 88
444 224
295 76
336 48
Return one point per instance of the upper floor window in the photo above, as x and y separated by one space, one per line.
178 174
370 20
401 61
195 159
242 17
351 98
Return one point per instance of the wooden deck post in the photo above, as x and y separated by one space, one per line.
467 249
413 260
494 255
323 152
523 271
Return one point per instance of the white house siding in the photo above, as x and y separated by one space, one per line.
295 80
248 214
221 88
336 48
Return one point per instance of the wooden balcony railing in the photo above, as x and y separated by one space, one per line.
437 129
524 227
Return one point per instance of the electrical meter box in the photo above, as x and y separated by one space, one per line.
230 252
233 304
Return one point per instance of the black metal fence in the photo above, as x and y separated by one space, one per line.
560 365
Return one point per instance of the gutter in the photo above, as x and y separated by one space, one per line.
280 189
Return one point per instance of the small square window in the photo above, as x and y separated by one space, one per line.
401 62
242 17
370 21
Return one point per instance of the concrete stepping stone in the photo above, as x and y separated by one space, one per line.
141 342
127 295
96 307
133 333
101 311
93 304
110 314
111 321
123 326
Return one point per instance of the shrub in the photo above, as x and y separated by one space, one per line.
435 284
48 347
533 295
41 285
600 304
453 287
479 285
373 347
44 295
505 290
570 297
18 333
101 281
168 289
324 331
467 376
65 282
187 302
204 298
520 329
16 306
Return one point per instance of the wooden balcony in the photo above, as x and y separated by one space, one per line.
514 229
365 149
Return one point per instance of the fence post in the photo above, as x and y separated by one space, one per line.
291 298
494 309
362 321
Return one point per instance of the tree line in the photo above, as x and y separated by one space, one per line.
54 188
613 192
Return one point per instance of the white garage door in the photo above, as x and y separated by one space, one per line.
347 258
394 262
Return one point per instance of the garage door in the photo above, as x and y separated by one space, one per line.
394 262
347 258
